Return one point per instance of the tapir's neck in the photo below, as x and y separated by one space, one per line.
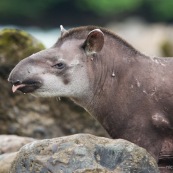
118 100
106 72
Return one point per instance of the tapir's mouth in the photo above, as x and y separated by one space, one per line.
28 86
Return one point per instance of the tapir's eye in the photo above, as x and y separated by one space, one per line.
59 65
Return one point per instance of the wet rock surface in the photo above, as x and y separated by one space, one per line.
83 153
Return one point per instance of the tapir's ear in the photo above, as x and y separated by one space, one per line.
94 41
63 31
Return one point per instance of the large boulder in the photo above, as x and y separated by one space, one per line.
83 153
26 115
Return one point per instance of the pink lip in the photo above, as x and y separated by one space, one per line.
16 87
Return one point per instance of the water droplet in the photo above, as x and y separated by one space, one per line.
113 74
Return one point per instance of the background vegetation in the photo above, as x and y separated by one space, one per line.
77 12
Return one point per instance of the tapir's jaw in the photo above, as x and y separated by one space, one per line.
28 86
24 76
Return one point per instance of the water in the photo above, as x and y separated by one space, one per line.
47 37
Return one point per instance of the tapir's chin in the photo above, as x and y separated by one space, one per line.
28 86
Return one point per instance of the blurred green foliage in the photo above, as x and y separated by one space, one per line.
158 9
31 8
151 10
106 7
162 9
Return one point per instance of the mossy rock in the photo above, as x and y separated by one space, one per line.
167 48
15 45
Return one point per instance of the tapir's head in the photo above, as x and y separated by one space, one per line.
61 70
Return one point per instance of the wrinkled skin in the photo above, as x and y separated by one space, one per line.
130 94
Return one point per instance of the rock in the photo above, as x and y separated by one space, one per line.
167 48
6 161
9 146
26 115
83 153
15 45
12 143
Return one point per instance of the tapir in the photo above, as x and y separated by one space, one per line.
129 93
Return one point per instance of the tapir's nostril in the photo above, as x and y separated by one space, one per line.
17 82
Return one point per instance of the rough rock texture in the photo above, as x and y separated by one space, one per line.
83 153
9 145
26 115
6 161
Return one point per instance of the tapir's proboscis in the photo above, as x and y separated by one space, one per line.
129 93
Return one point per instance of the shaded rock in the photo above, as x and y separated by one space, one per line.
83 153
26 115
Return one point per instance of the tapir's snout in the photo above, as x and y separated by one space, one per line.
25 86
21 80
